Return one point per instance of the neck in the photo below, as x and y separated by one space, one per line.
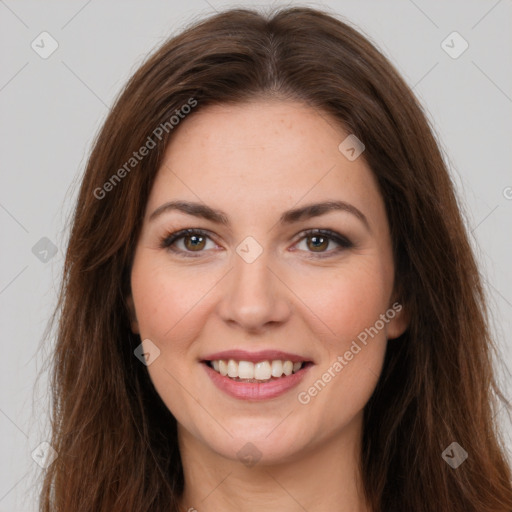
324 477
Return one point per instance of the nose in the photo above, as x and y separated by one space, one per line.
253 298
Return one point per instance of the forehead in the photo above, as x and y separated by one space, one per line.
264 154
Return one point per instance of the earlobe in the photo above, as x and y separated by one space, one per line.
398 320
134 325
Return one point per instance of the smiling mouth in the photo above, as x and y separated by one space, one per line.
259 372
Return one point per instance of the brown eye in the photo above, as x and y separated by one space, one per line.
188 242
323 243
194 242
317 243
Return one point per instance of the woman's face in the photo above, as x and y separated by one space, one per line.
257 285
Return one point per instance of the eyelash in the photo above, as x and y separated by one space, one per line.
343 242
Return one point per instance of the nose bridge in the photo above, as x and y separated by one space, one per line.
250 264
254 297
253 277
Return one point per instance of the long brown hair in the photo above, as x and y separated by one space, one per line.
115 438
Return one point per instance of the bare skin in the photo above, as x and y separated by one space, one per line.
304 295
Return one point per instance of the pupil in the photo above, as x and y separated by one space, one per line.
195 241
318 242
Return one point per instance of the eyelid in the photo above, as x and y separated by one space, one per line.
175 235
343 242
329 233
170 239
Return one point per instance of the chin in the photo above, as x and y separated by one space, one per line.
262 441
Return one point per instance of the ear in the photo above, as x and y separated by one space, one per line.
398 317
134 325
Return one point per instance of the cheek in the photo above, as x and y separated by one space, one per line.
348 300
168 302
170 308
348 303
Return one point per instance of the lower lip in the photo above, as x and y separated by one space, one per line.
255 391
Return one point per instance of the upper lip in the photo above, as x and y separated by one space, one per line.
255 357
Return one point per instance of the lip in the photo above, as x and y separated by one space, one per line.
255 357
255 391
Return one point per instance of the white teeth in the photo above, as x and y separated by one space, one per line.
245 370
232 368
223 368
277 368
263 370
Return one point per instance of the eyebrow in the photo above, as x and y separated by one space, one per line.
288 217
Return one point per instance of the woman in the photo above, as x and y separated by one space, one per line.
269 295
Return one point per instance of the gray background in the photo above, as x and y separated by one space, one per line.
52 108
